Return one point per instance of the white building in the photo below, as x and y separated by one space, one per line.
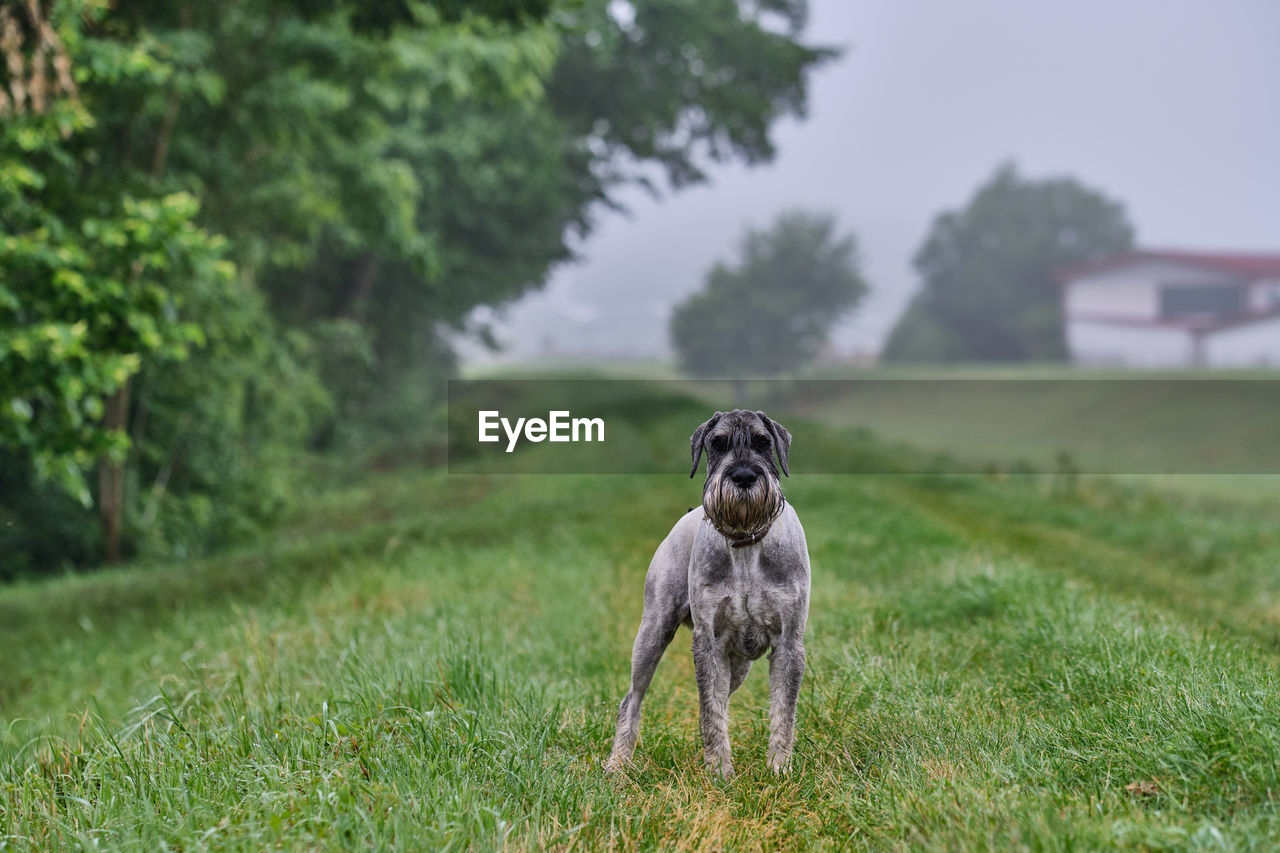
1174 309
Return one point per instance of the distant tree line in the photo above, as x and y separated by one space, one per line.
772 311
988 291
233 232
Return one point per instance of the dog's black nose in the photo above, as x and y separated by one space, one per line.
743 477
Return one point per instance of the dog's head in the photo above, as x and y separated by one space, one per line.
742 490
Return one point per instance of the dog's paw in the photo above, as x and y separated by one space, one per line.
615 764
778 764
720 767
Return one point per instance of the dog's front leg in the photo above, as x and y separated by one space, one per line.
786 670
711 667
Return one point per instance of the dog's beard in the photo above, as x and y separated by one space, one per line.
738 510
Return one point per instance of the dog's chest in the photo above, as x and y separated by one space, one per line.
744 604
745 626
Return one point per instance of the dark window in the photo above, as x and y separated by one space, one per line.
1201 300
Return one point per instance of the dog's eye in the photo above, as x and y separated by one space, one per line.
719 444
760 442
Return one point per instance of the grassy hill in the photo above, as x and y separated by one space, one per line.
1198 432
423 661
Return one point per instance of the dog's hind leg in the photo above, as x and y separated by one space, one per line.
657 627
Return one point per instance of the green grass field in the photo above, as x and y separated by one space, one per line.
422 661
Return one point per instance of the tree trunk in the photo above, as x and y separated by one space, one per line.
362 287
164 135
111 475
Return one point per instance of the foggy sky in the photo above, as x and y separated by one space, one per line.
1171 106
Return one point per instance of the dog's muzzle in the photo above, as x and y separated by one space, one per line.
742 502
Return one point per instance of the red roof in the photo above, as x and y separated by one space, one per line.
1245 266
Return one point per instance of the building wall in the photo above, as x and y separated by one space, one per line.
1131 292
1129 346
1248 345
1118 293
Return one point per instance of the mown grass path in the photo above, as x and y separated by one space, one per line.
429 662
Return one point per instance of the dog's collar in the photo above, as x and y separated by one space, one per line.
751 537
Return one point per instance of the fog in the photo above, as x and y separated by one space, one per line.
1167 106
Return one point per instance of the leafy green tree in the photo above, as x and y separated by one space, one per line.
523 177
450 191
379 169
131 345
772 312
86 279
509 180
679 83
988 289
397 164
207 207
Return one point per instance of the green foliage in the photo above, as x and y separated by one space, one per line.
90 282
42 525
773 311
335 145
988 288
109 288
671 82
299 129
508 180
84 302
217 438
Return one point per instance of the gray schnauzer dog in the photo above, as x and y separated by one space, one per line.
736 570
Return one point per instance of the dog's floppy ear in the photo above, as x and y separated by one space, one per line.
695 443
781 439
